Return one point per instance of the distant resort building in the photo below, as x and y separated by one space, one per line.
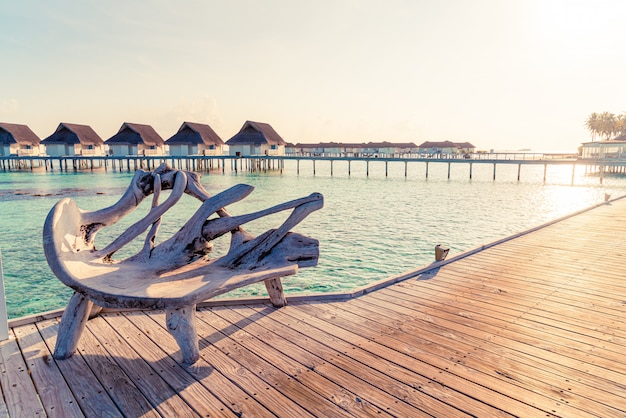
73 139
136 139
331 149
371 149
19 140
388 148
256 138
446 148
195 139
290 149
607 149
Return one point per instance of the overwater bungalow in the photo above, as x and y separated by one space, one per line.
612 149
72 139
446 148
321 148
136 139
256 138
371 149
19 140
388 148
466 147
195 139
290 149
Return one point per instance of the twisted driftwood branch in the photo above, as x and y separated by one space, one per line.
177 273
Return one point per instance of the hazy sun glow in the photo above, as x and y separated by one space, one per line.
500 74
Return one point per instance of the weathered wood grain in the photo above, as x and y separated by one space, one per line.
230 393
86 380
257 360
54 394
17 387
196 395
177 273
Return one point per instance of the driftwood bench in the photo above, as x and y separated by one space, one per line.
176 274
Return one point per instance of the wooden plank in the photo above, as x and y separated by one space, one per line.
536 345
227 361
326 356
197 396
316 399
17 387
231 394
501 363
240 375
503 306
446 372
87 387
590 284
53 392
558 316
565 346
132 367
380 365
479 287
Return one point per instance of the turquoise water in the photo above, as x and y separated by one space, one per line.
372 227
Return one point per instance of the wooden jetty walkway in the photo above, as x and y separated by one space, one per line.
224 163
533 325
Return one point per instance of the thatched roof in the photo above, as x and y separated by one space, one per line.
11 133
70 133
135 133
191 133
446 144
322 145
438 144
386 144
383 144
256 133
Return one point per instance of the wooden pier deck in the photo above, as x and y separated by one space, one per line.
531 326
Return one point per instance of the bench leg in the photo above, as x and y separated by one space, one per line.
275 291
181 323
72 325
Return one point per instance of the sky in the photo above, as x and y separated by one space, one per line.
501 74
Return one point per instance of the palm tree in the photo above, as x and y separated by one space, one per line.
620 124
593 125
607 125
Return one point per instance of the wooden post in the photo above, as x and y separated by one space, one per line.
4 318
494 171
573 172
349 161
426 169
331 168
449 164
519 169
545 168
470 167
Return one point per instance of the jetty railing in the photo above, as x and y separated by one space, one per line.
222 163
4 318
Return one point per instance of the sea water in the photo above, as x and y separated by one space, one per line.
377 221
